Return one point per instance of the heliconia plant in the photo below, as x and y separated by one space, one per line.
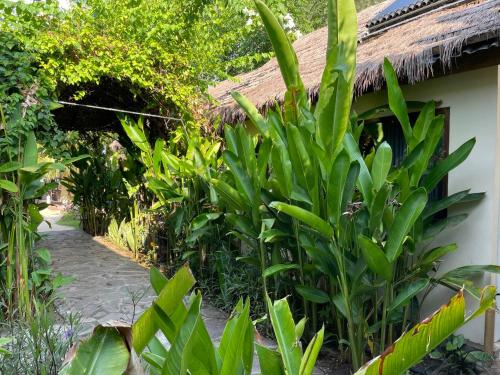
21 184
351 225
115 348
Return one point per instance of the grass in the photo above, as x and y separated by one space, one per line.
70 219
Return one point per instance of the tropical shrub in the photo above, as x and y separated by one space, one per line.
114 349
190 348
342 225
176 173
96 184
21 184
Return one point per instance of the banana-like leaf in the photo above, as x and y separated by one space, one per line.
377 207
365 182
311 354
404 220
30 156
270 361
375 258
423 123
105 352
229 195
10 166
436 253
469 272
381 165
9 186
333 107
453 160
285 54
241 177
336 184
177 358
442 204
397 103
284 329
410 348
312 294
278 268
157 279
169 300
136 134
434 134
305 216
408 292
252 113
236 347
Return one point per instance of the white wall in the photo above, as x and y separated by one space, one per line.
474 112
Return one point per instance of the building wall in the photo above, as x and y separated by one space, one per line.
473 99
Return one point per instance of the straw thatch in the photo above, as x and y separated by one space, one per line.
414 46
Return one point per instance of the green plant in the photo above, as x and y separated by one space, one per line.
38 346
411 347
454 357
21 183
96 184
70 219
191 349
3 342
350 225
176 173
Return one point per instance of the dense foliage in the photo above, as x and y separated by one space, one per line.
190 350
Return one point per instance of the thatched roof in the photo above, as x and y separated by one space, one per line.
414 46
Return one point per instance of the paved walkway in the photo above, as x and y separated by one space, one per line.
107 282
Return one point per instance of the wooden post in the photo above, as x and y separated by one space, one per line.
489 329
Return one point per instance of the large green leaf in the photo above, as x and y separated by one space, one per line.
30 157
270 361
157 279
434 134
236 347
283 49
9 186
278 268
241 177
408 292
375 258
336 183
365 182
178 356
434 207
442 168
436 253
105 352
410 348
312 294
284 330
381 165
423 123
333 106
311 354
10 166
136 134
305 216
403 222
252 113
397 102
169 300
229 195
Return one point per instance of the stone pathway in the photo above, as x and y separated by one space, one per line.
106 281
